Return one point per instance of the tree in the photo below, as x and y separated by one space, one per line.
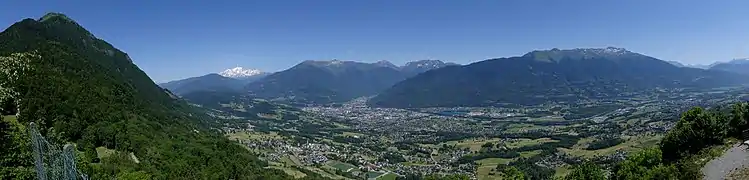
664 172
697 129
646 164
15 163
586 171
739 117
512 173
604 143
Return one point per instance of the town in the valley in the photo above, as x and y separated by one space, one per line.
355 141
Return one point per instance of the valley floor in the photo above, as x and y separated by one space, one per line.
355 141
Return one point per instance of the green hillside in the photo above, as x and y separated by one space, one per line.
81 89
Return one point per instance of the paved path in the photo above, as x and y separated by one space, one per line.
734 158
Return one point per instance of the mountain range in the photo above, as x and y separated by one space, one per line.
734 65
548 75
698 66
536 77
740 66
242 73
321 82
229 80
329 89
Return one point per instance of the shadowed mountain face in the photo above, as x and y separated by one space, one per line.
210 82
80 89
321 82
325 81
541 76
740 66
230 80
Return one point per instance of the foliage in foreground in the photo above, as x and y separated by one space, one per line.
697 136
586 171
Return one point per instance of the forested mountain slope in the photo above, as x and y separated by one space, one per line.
550 75
81 89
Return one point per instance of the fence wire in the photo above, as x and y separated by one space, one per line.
51 161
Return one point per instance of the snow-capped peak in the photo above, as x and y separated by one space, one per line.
426 64
240 72
614 51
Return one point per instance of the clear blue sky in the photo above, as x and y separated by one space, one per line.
172 39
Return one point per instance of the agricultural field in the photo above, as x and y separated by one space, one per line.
486 167
475 144
374 175
245 135
471 144
562 171
290 165
345 167
516 143
527 154
388 176
290 171
631 144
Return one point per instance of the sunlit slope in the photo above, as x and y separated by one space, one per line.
81 89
